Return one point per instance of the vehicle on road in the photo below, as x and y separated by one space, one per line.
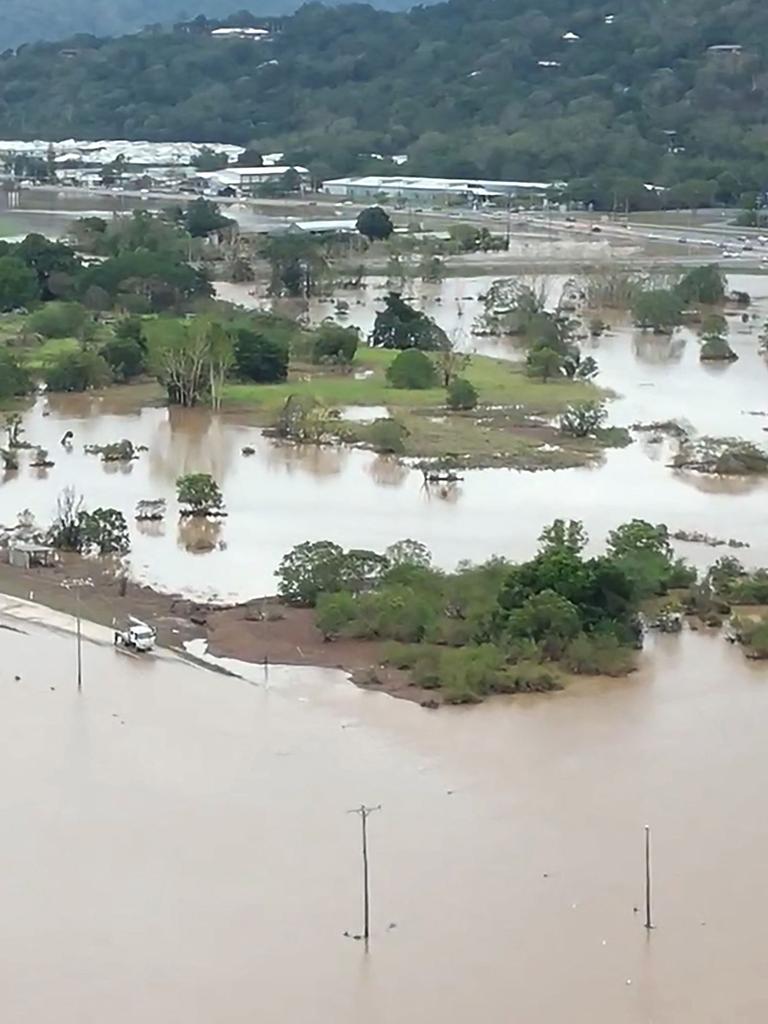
137 635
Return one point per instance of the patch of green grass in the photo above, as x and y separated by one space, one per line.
497 381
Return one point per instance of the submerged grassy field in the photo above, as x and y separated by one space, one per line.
508 428
498 382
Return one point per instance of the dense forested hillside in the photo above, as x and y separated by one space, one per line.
498 87
23 21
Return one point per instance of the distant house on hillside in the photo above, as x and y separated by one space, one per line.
725 48
240 33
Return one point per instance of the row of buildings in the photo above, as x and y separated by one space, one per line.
412 191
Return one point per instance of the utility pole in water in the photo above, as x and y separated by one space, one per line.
77 585
648 920
364 813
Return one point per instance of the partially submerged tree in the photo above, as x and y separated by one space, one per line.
199 495
399 325
388 436
583 419
658 310
706 285
714 336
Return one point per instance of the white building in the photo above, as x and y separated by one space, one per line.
247 179
434 190
240 33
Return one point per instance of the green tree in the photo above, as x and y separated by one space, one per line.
583 419
334 613
548 619
335 344
375 223
18 284
408 552
714 336
15 378
250 158
388 436
401 326
544 363
462 395
76 370
59 320
47 259
412 369
658 310
208 159
309 570
562 535
199 494
202 217
106 530
706 285
125 358
259 357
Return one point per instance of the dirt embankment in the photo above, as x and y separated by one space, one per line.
257 630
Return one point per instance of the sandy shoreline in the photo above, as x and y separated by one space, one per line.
255 631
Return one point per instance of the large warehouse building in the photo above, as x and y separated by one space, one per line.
435 190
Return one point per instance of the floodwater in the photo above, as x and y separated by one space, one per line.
176 844
283 495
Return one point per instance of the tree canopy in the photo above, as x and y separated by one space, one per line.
465 89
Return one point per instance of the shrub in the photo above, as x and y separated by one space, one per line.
583 419
462 394
527 677
125 357
15 379
412 369
716 348
59 320
77 370
200 493
334 613
598 654
388 436
335 344
755 636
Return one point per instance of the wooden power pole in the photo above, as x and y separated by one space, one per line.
364 813
648 919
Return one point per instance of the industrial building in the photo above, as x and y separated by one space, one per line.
434 191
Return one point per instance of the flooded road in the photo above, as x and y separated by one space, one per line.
176 844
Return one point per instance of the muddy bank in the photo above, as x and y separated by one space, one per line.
265 630
258 631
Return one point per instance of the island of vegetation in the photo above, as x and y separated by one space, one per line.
502 627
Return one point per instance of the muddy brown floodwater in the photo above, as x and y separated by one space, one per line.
176 845
284 495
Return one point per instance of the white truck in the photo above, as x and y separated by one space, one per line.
136 635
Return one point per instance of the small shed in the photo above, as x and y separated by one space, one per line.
28 555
